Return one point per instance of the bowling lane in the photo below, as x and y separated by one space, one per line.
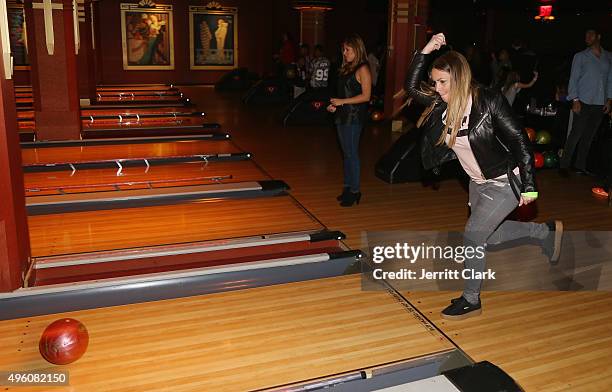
235 341
181 174
127 98
92 111
138 93
162 120
202 220
136 87
53 155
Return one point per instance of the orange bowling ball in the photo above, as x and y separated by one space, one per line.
63 341
531 133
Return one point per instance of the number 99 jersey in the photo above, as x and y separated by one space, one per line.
320 72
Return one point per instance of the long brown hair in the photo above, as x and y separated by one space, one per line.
461 88
361 57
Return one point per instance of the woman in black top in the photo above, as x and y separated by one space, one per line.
351 108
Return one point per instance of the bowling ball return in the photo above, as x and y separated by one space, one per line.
309 108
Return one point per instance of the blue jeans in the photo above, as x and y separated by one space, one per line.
349 141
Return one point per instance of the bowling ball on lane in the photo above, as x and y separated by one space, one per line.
63 341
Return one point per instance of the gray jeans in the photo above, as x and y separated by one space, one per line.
490 205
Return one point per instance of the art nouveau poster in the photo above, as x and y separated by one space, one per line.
213 37
147 36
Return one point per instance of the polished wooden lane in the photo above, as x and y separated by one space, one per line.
129 124
121 99
235 341
92 111
129 98
136 87
132 122
51 155
133 87
138 93
120 94
91 231
548 341
188 173
310 160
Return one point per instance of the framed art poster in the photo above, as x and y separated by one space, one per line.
213 37
147 36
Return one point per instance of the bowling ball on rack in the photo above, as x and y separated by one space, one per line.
63 341
538 160
551 159
531 134
291 73
543 137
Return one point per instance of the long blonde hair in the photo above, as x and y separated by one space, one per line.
461 88
361 57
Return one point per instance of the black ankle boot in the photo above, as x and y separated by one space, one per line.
344 193
350 198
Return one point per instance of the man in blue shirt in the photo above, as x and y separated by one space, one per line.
590 90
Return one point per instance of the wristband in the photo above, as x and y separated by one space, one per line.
532 195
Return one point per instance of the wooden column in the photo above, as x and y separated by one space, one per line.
407 33
312 26
51 43
312 19
14 240
86 57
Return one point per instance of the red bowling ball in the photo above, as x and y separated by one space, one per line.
63 341
538 160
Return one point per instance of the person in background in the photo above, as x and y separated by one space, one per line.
351 109
286 55
513 85
590 90
320 69
304 62
500 67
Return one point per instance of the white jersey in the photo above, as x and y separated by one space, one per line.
320 72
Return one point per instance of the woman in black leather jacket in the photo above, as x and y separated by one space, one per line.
475 124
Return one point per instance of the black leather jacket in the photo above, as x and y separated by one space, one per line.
496 138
